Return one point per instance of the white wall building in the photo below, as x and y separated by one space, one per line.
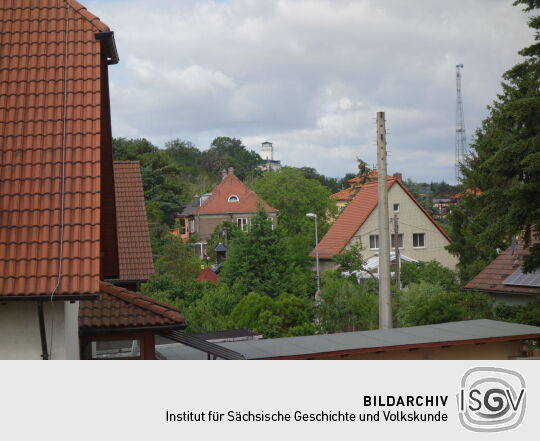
267 155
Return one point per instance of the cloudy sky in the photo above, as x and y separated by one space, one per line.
310 75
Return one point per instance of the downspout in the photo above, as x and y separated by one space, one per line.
42 332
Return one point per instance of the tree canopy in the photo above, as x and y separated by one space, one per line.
504 165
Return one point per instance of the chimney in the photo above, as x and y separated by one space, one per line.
398 176
223 174
231 171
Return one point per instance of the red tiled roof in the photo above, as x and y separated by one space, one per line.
119 308
344 195
468 191
373 175
230 185
33 86
491 278
208 275
354 216
134 249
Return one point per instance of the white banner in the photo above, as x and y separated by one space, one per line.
270 400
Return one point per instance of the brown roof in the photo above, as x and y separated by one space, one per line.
230 185
208 275
134 249
354 216
118 308
34 85
491 278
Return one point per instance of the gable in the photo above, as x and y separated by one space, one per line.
412 217
221 202
362 208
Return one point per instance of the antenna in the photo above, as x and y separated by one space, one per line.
461 148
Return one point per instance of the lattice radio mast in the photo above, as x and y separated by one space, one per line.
461 148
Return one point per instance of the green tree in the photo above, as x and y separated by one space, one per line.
224 233
347 306
294 196
350 259
505 160
178 260
258 260
227 152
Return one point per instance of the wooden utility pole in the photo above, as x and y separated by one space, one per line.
396 251
385 294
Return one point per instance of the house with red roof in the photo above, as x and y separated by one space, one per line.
343 197
231 200
61 221
420 237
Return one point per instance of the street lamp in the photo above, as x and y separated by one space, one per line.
318 276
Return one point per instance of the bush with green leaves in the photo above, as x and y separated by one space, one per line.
430 272
427 303
285 315
525 314
346 305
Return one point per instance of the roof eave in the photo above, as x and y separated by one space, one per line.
48 297
414 346
131 329
109 45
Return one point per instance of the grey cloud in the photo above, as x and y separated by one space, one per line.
309 75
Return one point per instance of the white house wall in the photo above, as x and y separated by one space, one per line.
411 220
19 330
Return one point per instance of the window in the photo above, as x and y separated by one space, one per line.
396 208
243 223
419 240
374 241
233 198
400 241
183 227
192 225
116 349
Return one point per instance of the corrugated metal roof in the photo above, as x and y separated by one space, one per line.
371 341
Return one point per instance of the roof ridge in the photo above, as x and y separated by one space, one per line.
86 14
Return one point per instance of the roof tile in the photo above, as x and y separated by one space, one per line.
34 62
249 201
119 308
134 249
491 278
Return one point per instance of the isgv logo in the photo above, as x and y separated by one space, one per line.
491 399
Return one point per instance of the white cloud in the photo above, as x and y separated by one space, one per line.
310 75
